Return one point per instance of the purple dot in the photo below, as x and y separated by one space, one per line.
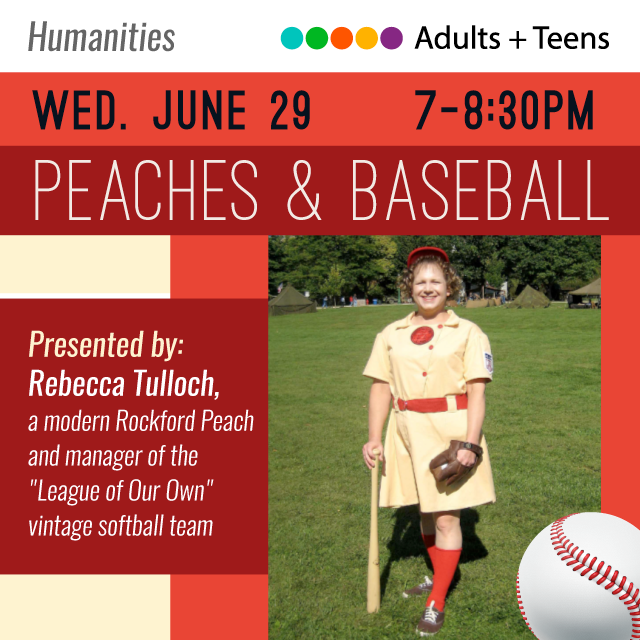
391 38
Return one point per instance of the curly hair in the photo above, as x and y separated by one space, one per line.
454 282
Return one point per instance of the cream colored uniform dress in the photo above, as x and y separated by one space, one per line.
458 352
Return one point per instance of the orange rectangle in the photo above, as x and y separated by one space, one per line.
226 607
230 267
351 109
620 354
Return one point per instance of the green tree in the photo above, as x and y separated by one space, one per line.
334 284
308 261
479 260
276 265
546 261
494 270
387 282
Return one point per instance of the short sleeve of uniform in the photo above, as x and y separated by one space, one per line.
379 365
478 361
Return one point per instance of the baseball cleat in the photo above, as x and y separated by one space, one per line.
431 621
419 590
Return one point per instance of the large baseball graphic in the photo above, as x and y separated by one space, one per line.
580 580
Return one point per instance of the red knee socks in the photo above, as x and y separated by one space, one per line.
445 562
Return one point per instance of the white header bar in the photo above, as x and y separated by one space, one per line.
223 36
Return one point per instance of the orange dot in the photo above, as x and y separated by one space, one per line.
366 38
341 38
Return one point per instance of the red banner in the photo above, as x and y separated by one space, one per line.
351 190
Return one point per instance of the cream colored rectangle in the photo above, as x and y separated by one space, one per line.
87 607
51 266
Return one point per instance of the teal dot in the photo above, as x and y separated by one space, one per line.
317 38
291 37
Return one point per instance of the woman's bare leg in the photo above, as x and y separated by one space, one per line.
448 531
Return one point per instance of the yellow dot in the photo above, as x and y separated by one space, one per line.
366 38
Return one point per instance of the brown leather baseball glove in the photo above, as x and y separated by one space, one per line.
445 466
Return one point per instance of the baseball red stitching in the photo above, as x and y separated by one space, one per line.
521 605
585 563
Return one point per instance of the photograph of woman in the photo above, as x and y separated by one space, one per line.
431 368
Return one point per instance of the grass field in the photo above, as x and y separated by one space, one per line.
543 430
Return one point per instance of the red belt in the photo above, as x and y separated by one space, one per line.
430 405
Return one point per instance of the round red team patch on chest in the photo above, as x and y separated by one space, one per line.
422 335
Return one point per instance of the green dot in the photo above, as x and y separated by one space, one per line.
291 38
317 38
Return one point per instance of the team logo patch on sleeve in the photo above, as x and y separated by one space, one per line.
488 362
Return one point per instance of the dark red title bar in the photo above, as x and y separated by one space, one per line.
352 190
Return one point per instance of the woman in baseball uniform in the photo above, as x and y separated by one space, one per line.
431 368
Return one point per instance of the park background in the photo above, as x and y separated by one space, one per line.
542 427
369 266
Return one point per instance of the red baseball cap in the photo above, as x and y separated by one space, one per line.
426 251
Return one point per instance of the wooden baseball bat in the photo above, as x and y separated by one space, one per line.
373 577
